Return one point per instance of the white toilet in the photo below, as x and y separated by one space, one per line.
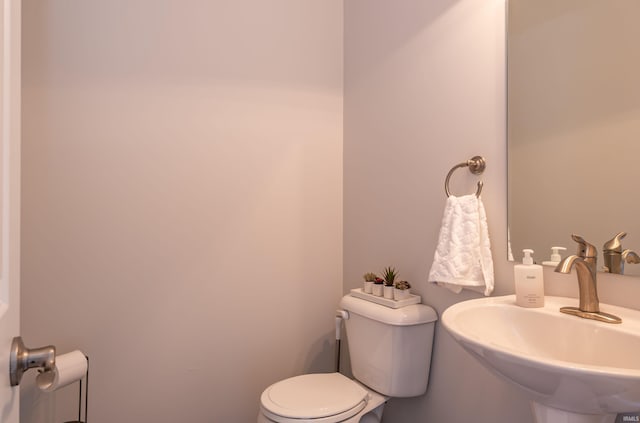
390 351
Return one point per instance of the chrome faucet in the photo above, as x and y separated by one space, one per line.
612 254
585 263
615 257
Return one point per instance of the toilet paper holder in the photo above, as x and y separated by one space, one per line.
22 359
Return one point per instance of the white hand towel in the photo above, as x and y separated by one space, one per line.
463 256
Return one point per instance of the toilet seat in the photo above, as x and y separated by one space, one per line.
322 397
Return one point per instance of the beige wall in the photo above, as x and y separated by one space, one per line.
182 202
156 175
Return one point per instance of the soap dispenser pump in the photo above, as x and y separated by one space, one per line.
529 284
555 258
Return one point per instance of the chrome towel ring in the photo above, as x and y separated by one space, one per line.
476 165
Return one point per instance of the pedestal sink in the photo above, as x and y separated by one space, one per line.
574 370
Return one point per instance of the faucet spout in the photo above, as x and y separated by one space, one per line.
586 270
585 263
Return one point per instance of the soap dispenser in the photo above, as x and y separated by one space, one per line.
555 258
528 282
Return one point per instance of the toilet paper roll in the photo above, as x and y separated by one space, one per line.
70 367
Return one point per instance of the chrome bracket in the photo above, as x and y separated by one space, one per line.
22 359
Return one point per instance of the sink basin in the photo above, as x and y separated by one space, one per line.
573 369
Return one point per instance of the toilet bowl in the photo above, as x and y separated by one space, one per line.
322 397
390 352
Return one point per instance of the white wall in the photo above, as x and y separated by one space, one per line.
182 202
424 90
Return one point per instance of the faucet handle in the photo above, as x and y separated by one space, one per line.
631 257
585 249
614 244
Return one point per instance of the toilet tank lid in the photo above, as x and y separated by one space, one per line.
414 314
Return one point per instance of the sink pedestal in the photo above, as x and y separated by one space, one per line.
545 414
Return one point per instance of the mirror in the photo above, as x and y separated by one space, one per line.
573 124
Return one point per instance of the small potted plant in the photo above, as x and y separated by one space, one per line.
369 278
376 289
389 275
401 290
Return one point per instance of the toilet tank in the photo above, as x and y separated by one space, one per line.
390 349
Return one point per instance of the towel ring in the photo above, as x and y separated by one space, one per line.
476 165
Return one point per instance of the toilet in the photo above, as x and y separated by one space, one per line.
390 352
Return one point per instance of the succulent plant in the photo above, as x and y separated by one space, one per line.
378 280
370 277
402 285
389 275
